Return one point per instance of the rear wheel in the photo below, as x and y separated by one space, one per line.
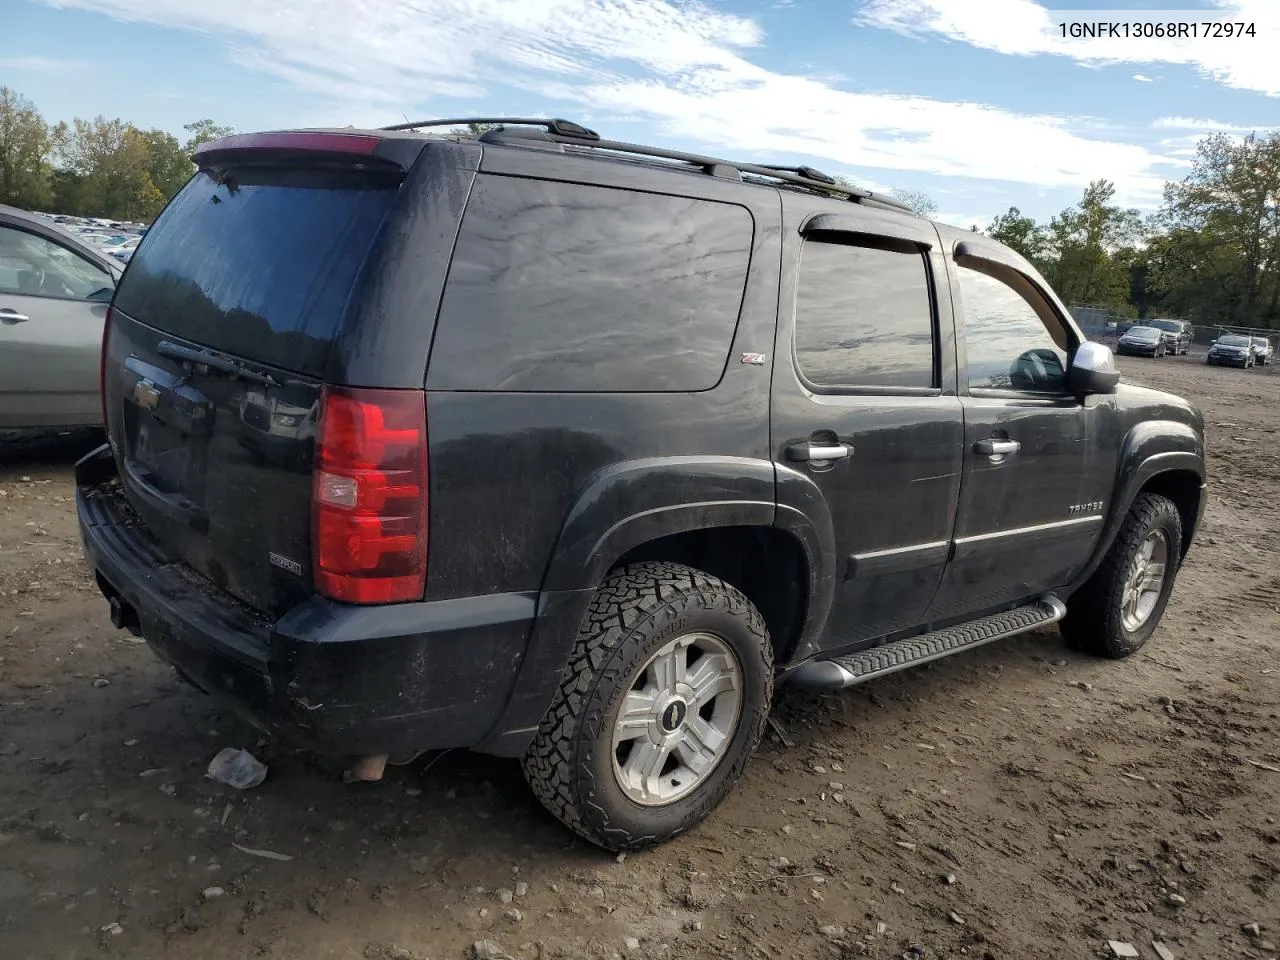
664 700
1119 607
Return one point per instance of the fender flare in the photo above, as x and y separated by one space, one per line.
632 503
637 501
1149 449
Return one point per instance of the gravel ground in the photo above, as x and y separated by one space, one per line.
1020 801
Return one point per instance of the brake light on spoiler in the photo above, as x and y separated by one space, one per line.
369 495
304 141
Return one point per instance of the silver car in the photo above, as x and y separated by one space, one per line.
54 291
1262 351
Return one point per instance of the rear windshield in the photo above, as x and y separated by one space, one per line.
258 263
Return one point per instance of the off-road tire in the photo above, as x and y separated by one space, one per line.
1093 623
636 611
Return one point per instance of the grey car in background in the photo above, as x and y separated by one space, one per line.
54 291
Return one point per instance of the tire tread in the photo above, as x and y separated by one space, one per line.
628 599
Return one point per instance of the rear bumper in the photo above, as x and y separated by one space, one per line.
336 678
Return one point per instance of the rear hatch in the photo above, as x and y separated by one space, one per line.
221 337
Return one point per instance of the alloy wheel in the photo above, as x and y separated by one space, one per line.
677 720
1144 580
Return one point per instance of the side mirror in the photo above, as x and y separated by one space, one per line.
1093 370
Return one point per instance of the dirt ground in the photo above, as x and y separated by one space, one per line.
1020 801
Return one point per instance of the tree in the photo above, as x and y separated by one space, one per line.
1018 232
473 131
170 165
112 162
202 131
918 201
26 144
1224 228
1081 247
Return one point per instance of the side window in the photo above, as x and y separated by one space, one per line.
30 265
1012 339
574 288
864 315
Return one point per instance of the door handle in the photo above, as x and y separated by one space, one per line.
997 448
12 316
808 450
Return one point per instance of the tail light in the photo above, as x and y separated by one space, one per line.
102 368
369 495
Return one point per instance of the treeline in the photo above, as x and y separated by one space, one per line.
95 168
1210 255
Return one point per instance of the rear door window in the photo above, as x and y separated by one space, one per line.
864 315
259 263
573 288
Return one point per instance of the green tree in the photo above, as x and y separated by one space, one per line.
1019 233
473 130
113 166
1224 230
26 146
202 131
1082 247
170 166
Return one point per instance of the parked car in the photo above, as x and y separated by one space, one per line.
124 250
573 450
54 291
1262 351
1141 341
1232 350
1177 335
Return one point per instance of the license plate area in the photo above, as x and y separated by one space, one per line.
167 424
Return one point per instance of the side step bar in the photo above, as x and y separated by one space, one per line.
864 665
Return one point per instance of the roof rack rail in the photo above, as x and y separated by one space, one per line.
563 128
806 177
807 172
568 132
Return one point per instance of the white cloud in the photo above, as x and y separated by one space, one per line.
1205 126
40 64
1027 28
680 65
1143 78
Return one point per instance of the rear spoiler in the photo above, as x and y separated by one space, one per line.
362 148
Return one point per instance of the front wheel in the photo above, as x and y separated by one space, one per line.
1118 609
665 698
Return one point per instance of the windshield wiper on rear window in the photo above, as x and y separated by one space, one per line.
214 361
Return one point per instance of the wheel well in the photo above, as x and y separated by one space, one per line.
767 565
1183 488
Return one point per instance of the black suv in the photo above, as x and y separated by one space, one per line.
1177 335
573 450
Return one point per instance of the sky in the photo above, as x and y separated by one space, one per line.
980 104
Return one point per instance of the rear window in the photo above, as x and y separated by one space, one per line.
572 288
259 265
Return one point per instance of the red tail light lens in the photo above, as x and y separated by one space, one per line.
369 496
102 367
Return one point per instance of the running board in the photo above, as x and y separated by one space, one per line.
864 665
